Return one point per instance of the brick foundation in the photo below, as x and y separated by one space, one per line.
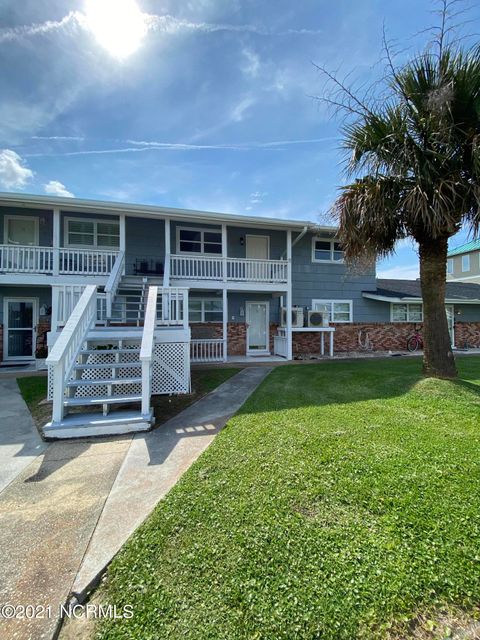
388 336
236 335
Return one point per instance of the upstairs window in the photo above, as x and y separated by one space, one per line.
199 241
407 312
92 234
326 250
449 266
338 310
466 263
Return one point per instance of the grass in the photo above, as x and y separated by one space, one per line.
341 502
34 390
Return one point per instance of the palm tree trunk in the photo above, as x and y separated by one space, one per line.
438 360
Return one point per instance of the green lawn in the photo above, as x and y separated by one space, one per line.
341 502
34 390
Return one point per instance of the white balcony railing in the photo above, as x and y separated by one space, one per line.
230 269
25 259
207 350
88 262
28 259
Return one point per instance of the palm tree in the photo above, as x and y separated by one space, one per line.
414 161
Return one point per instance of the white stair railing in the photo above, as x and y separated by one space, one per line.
64 353
146 349
113 281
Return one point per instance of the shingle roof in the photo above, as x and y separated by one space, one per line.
411 289
474 245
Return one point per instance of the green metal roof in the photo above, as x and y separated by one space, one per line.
474 245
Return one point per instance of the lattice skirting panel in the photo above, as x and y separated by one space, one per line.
171 368
170 371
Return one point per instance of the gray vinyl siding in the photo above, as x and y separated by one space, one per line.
44 295
474 265
331 281
45 223
145 239
235 236
468 313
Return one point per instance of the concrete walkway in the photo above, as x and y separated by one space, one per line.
67 513
153 464
20 442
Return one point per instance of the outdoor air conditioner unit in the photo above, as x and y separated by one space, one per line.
297 317
318 319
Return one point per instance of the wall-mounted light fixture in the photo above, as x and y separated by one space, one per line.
242 241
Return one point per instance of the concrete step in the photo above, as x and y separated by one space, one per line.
97 383
96 424
89 402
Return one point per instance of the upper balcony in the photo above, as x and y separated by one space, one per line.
230 270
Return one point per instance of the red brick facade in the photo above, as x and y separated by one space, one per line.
388 336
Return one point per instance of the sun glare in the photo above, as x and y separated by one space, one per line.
118 25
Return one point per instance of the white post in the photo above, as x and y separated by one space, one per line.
289 295
54 320
225 323
56 241
224 252
122 239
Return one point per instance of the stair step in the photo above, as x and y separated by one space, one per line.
96 383
110 351
96 424
88 402
112 365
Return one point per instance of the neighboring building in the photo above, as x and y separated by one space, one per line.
156 289
463 263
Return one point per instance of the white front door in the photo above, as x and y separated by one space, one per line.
451 322
21 230
257 316
257 247
20 320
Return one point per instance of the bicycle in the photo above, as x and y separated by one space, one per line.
415 342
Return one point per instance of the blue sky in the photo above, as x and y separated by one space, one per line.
212 110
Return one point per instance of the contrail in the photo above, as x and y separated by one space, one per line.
166 24
17 33
144 145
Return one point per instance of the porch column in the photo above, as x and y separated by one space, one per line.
225 323
55 304
122 239
289 295
224 252
56 241
166 269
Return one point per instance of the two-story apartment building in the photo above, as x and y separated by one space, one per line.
127 297
463 264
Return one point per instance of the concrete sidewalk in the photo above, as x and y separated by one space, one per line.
153 464
20 442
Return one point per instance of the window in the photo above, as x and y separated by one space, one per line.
466 263
326 250
450 266
199 241
205 310
92 233
411 312
338 310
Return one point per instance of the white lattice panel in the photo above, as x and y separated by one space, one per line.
50 383
171 368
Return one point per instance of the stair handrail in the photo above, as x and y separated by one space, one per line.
146 349
113 281
64 352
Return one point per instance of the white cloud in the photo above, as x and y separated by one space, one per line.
251 63
17 33
405 272
239 111
56 188
258 196
13 172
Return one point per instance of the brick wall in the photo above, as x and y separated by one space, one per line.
390 336
236 335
